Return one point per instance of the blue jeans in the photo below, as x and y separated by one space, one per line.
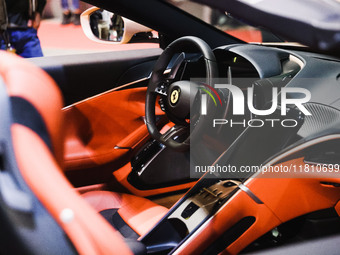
65 5
25 41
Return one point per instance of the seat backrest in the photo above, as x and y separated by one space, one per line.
37 138
32 86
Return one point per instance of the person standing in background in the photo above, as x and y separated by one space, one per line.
24 18
4 25
70 13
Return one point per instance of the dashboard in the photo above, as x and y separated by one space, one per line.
212 200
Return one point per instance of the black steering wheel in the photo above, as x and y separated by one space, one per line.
176 94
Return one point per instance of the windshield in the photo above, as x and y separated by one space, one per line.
225 22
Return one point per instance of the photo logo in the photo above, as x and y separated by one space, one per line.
239 99
204 98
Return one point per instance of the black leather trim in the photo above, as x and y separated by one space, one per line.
113 217
24 113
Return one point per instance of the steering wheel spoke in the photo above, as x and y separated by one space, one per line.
176 66
161 89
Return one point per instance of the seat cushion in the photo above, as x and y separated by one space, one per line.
138 213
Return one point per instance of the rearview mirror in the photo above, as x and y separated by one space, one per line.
106 27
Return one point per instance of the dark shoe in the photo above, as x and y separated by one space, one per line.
66 18
76 19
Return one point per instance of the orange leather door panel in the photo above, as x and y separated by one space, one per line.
96 125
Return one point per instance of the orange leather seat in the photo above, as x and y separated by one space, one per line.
38 142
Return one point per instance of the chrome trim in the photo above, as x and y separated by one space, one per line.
122 148
296 60
140 172
250 193
276 44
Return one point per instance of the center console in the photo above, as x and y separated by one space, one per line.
221 211
156 166
198 205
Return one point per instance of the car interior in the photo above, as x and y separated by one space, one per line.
96 150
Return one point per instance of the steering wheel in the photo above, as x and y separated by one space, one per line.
176 94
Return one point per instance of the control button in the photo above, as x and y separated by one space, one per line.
189 210
161 104
229 184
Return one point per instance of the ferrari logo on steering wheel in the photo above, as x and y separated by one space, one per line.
174 96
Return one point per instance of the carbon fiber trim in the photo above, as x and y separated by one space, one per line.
322 117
